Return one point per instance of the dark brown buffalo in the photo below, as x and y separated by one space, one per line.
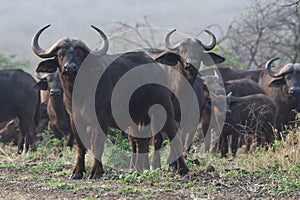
59 119
238 88
229 73
9 132
166 58
252 115
67 55
19 100
282 84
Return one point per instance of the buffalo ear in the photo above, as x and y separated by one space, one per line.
277 82
41 85
168 58
47 66
212 59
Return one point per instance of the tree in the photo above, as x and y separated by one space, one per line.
8 61
126 37
267 30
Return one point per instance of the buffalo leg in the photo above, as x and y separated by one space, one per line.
28 131
98 143
176 147
157 143
234 144
57 133
79 167
21 143
142 160
70 140
224 145
133 155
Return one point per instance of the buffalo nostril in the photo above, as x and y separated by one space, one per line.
228 111
70 67
294 90
55 92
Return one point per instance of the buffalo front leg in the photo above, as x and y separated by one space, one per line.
21 143
28 132
79 167
176 146
234 143
98 142
133 154
70 140
224 145
157 143
142 160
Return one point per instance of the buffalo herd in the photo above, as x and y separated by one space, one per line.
242 107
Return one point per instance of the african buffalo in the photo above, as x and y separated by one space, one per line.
19 100
56 111
249 115
282 84
72 57
238 88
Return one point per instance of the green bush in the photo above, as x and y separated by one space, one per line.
8 61
231 59
118 155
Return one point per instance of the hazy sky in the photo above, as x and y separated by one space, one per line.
19 20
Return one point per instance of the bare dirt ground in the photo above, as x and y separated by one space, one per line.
21 183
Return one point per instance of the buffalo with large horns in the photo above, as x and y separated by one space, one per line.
282 84
73 59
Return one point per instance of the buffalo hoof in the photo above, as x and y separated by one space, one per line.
172 168
76 176
95 176
183 172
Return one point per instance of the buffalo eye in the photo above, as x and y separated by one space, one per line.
60 54
288 76
187 65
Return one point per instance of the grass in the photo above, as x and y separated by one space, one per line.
280 165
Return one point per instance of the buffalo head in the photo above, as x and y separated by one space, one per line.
194 51
67 54
287 76
51 83
174 60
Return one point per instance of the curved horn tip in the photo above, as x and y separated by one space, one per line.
167 42
36 47
270 61
94 27
45 27
99 31
208 31
212 43
104 47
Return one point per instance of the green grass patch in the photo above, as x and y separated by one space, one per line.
9 166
